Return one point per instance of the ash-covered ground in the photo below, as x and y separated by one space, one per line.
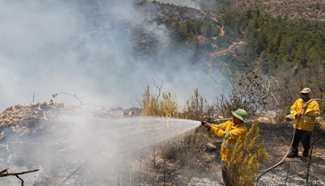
80 147
277 139
74 147
188 160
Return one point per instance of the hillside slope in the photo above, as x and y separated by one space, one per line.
293 9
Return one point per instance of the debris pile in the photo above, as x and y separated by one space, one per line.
22 118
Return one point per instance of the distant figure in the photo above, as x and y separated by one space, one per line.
303 112
51 102
230 131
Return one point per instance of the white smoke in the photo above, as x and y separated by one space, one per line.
78 149
196 4
185 3
86 47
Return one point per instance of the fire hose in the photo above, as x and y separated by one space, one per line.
285 156
289 150
279 163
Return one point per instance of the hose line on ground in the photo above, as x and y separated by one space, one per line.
285 156
277 164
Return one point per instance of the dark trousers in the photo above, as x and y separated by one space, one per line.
304 137
226 176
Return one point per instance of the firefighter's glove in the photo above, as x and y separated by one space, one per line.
298 115
289 118
206 124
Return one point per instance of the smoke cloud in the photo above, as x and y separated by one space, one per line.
88 48
93 49
79 149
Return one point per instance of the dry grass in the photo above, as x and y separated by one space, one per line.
163 104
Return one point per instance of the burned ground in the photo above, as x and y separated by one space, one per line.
189 159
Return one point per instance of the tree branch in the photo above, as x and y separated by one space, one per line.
5 173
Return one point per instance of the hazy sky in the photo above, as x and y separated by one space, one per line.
86 47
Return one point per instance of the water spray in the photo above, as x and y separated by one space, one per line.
169 123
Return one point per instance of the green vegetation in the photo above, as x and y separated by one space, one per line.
189 30
278 40
288 54
281 57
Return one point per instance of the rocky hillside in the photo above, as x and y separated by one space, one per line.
293 9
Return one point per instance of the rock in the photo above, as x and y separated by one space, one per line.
202 182
269 117
22 119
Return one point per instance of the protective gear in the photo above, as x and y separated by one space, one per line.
240 114
289 118
304 137
230 134
206 124
304 114
305 91
226 175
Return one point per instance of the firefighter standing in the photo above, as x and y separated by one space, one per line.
231 131
303 112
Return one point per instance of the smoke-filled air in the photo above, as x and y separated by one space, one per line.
90 48
162 92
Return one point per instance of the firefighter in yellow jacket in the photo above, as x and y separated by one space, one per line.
303 112
230 131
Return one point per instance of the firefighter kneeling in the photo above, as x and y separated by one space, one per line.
231 131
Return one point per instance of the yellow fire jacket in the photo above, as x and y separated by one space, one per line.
309 111
230 134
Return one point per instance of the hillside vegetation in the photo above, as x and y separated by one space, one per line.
313 10
289 52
